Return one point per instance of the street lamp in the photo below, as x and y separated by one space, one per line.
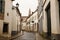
32 22
17 5
12 0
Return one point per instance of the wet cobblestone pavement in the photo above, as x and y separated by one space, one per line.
26 36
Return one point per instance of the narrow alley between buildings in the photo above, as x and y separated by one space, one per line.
29 19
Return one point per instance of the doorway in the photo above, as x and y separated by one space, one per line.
48 20
5 28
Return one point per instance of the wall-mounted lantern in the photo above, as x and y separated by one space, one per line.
32 21
17 5
12 0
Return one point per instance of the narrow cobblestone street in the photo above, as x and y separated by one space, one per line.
26 36
29 36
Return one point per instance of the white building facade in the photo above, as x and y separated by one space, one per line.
7 18
32 21
50 18
16 21
6 23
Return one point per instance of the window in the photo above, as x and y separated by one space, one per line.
2 4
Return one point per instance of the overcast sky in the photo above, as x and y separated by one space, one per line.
24 6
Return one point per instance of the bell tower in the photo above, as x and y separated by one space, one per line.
29 11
